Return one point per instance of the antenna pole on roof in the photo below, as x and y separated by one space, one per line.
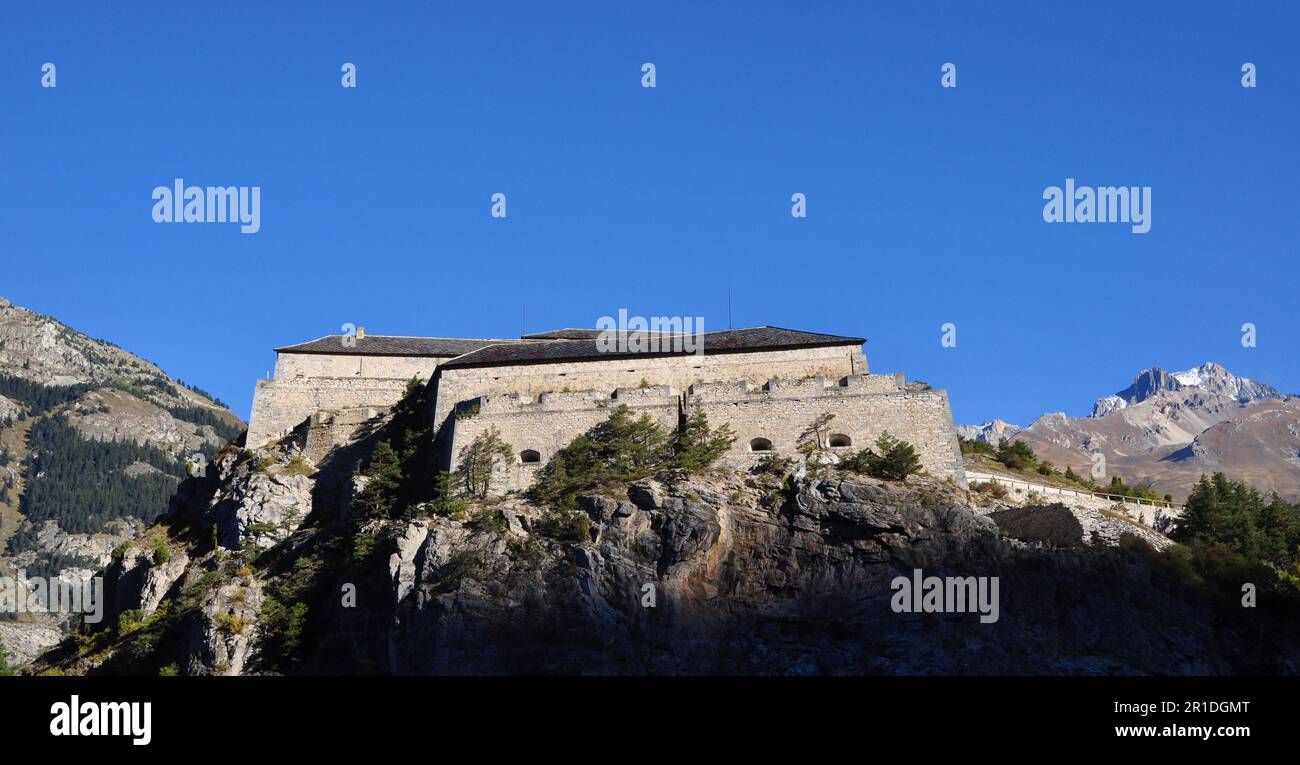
729 308
521 334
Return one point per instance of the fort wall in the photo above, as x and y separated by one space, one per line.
292 365
680 372
777 412
768 398
280 405
546 425
863 407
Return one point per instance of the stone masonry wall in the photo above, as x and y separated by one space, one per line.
549 424
291 365
329 429
781 410
280 405
680 372
863 405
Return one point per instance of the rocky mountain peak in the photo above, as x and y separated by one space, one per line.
992 432
1210 378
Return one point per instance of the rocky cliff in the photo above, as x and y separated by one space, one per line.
93 440
260 569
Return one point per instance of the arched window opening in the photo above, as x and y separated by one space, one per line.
528 456
760 445
839 439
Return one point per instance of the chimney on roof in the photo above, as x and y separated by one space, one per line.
361 333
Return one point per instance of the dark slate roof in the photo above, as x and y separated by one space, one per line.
389 345
564 334
725 341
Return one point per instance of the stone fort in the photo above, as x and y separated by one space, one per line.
542 390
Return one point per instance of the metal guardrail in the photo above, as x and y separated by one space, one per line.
1049 490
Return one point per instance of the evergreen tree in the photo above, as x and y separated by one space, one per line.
816 439
480 459
1016 455
1231 515
697 445
446 500
892 460
618 450
378 497
82 484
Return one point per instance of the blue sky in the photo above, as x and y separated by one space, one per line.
924 203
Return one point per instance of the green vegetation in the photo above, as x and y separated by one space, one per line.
1016 455
83 484
446 502
199 415
1229 537
816 439
298 466
402 462
479 461
1118 487
619 450
1228 516
491 519
379 496
40 398
995 490
565 525
892 459
161 553
202 393
697 445
5 669
972 446
287 618
772 464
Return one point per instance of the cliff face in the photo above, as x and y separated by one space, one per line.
93 441
722 573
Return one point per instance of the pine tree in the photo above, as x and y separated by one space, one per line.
378 497
1229 514
697 445
480 459
817 437
618 450
892 460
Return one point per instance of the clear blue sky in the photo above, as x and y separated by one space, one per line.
924 204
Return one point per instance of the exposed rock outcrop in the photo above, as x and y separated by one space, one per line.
726 573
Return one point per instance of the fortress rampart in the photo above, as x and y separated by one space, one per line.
280 405
771 418
537 428
540 392
680 372
767 419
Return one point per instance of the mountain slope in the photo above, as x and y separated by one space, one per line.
1166 429
93 442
